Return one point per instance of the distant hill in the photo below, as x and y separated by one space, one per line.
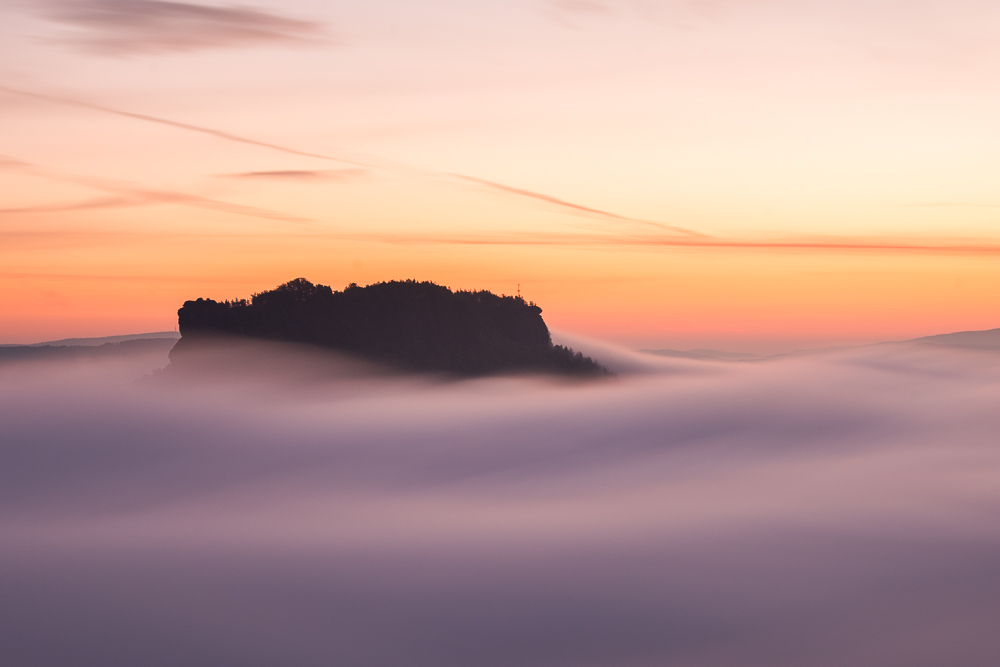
418 326
703 355
973 340
89 342
987 340
20 353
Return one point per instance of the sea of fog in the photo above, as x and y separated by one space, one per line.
836 509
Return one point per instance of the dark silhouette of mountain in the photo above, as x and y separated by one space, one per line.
90 342
415 326
19 353
971 340
981 341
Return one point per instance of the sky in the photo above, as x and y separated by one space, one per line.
756 175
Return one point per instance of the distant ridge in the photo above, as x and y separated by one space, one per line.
22 353
972 340
703 354
93 342
985 340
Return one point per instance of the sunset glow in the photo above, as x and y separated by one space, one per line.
481 333
761 175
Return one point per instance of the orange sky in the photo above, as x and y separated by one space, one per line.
755 176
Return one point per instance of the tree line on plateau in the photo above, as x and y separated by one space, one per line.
415 326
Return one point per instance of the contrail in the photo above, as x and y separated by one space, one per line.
577 207
128 195
793 244
183 126
90 204
804 244
292 151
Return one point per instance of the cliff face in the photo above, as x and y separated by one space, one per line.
413 325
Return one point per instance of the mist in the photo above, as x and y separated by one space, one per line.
827 509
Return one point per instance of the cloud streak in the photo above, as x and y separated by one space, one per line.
146 197
949 204
681 238
571 206
788 243
178 125
381 165
300 174
129 195
130 27
90 204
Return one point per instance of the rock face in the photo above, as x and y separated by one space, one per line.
418 326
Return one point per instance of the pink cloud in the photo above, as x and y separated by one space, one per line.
126 27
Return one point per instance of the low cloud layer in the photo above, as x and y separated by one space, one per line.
127 27
817 511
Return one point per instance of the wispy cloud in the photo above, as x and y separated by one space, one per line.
133 197
384 165
580 6
129 194
748 244
145 197
678 13
568 12
300 174
953 204
570 205
126 27
8 162
175 124
90 204
839 244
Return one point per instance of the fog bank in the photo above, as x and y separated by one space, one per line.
834 509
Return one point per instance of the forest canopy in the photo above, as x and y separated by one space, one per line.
417 326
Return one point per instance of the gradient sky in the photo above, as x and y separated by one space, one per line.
757 175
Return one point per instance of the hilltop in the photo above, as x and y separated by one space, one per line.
56 351
414 326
